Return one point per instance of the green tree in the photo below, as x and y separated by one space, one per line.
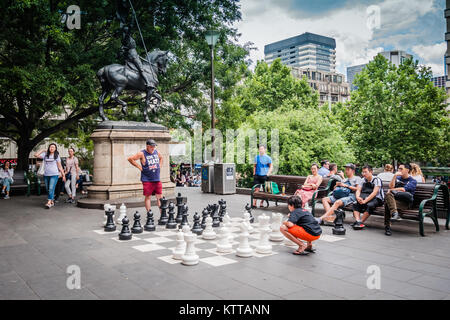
48 72
306 135
396 114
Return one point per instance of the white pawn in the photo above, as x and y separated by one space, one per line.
247 221
223 244
209 233
228 225
123 213
180 249
276 234
244 250
264 246
190 258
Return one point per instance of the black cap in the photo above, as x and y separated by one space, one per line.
351 166
151 142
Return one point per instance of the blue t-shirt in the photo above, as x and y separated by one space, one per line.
409 184
324 172
262 164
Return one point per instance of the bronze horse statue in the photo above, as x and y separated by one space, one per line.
117 77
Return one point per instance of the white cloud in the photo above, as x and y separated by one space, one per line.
265 22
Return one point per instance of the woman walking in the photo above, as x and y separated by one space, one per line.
72 170
52 163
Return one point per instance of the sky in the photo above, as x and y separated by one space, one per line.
362 28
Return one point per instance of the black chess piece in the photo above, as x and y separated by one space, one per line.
338 228
223 210
150 224
164 218
215 216
197 228
137 227
248 207
179 201
109 226
210 210
125 234
184 221
171 223
205 214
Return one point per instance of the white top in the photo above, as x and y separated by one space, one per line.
418 178
7 173
385 176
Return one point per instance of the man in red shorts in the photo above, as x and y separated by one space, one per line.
150 164
301 225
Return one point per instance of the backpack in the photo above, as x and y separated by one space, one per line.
271 187
342 192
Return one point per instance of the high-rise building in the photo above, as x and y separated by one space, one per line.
307 50
440 81
396 57
352 72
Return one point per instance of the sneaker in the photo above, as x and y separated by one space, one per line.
387 231
319 221
307 207
6 197
48 206
358 226
396 216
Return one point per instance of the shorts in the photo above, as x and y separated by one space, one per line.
151 188
346 200
259 179
300 233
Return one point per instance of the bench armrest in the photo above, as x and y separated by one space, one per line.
433 199
314 197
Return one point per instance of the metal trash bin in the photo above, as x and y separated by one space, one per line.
208 177
225 178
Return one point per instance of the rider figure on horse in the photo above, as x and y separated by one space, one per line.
130 54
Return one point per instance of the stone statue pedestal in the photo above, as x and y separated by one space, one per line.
114 177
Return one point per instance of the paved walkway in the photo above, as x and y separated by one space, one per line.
38 245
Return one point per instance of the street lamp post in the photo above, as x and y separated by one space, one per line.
211 38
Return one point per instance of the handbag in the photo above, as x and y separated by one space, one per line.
341 192
41 170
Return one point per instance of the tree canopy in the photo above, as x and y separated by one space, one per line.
48 73
396 113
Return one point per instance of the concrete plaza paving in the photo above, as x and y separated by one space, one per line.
37 246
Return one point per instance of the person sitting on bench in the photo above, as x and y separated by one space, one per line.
343 193
399 196
6 177
369 195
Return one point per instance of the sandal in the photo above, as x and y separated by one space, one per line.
312 250
303 253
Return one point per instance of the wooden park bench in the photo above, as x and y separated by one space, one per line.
291 184
430 200
21 182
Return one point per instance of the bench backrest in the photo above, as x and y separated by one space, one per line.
292 183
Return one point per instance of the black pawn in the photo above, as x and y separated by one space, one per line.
110 226
164 218
150 224
205 214
137 227
171 223
249 210
197 228
125 234
223 210
179 200
184 221
215 216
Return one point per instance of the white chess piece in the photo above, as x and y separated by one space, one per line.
264 246
223 244
190 258
244 250
247 221
122 213
209 233
228 225
180 249
275 234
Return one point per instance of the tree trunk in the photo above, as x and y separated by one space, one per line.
23 153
